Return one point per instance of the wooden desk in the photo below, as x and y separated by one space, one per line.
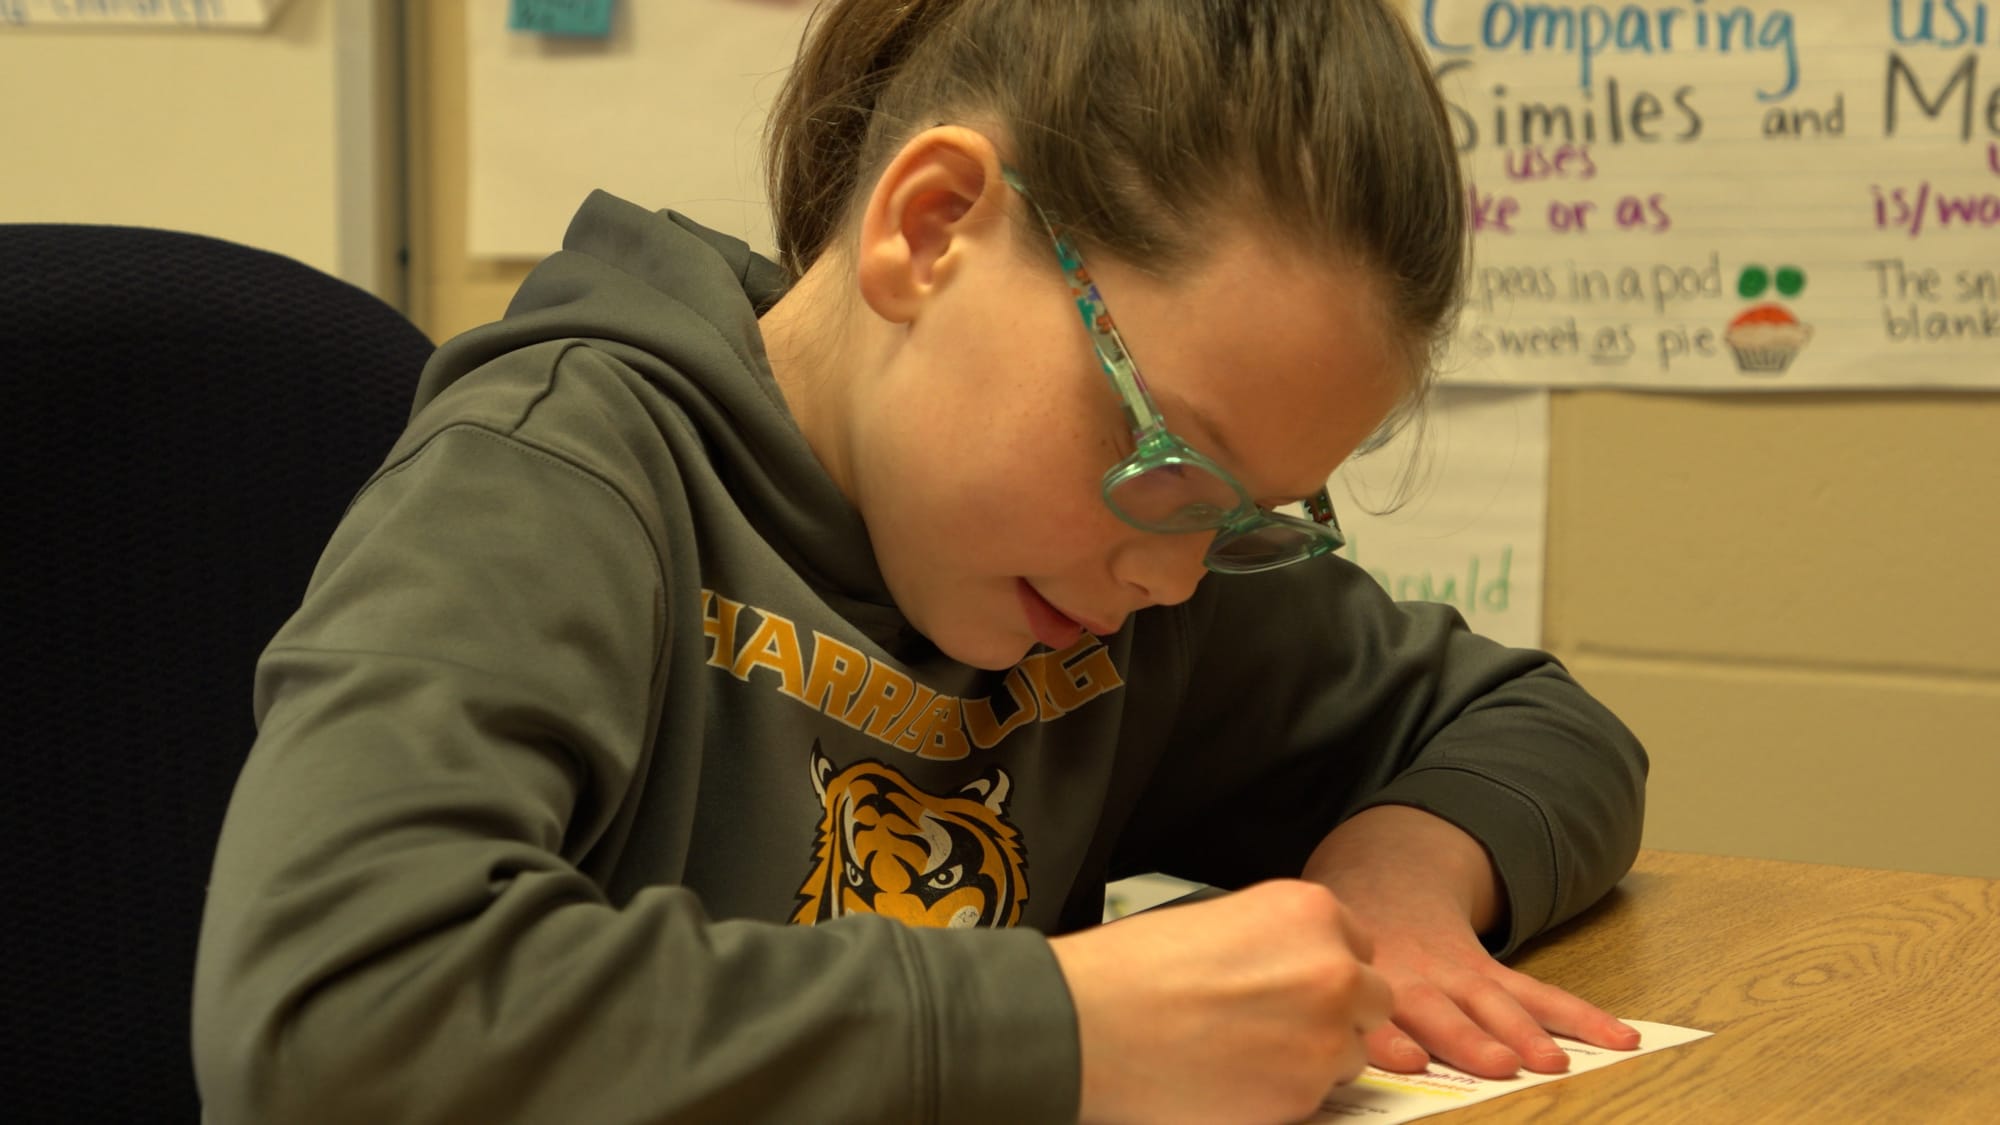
1835 994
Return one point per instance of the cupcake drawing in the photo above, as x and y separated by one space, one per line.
1766 337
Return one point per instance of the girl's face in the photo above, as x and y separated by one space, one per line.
976 442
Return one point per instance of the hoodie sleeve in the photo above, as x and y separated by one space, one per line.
400 923
1311 696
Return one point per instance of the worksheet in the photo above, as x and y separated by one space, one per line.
1381 1097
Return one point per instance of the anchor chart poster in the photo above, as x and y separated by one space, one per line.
1724 195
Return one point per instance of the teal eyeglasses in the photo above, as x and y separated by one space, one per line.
1164 485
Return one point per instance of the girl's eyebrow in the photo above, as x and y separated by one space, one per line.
1211 442
1203 432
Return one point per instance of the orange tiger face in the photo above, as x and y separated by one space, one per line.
886 847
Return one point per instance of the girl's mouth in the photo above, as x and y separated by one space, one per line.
1049 624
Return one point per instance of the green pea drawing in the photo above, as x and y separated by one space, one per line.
1754 280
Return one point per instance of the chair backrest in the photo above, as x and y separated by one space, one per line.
185 421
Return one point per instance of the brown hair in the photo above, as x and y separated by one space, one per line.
1138 123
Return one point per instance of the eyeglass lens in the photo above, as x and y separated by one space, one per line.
1176 497
1261 547
1184 497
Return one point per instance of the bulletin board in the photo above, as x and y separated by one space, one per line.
1727 196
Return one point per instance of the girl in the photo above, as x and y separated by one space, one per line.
730 698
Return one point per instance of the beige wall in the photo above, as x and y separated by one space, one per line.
449 291
1793 599
281 138
1790 598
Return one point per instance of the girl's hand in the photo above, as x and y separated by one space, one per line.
1248 1007
1454 1002
1424 889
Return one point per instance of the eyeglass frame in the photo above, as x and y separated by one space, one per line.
1153 445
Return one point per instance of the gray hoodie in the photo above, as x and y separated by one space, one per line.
599 779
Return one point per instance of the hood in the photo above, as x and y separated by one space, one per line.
678 304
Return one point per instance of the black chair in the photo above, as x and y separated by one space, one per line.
186 420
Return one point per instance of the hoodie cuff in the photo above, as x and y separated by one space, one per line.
1001 1025
1509 825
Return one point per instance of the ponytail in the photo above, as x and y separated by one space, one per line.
819 127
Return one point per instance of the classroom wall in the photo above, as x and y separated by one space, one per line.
1792 599
1787 596
450 291
285 138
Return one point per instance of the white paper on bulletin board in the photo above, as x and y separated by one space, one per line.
667 112
1473 533
1728 196
235 15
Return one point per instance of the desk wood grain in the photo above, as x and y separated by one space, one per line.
1835 994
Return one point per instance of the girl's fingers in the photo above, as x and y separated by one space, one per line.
1391 1048
1441 1026
1568 1015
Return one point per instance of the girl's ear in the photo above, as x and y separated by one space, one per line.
940 197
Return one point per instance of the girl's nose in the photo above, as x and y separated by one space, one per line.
1163 569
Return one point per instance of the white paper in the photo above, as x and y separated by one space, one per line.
1473 533
668 112
1638 168
1130 895
1383 1097
236 15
